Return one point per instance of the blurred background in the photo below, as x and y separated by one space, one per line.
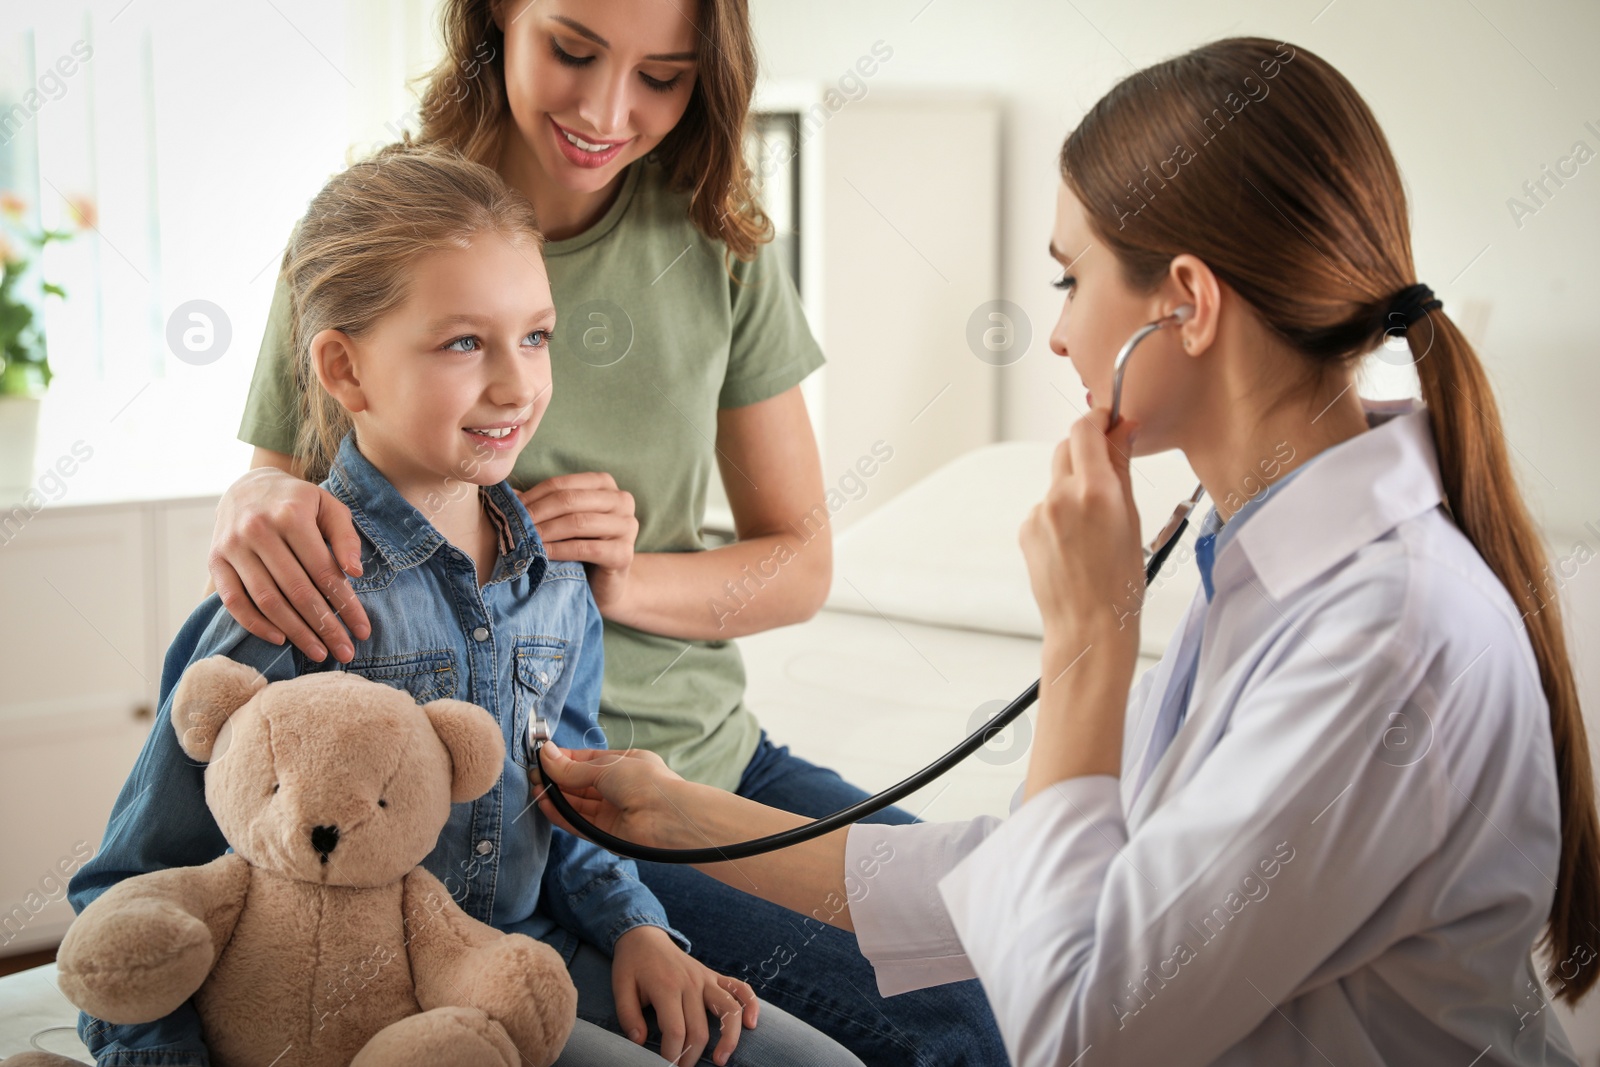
155 153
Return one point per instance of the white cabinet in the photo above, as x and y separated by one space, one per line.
182 539
89 598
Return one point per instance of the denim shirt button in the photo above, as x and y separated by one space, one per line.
485 847
480 634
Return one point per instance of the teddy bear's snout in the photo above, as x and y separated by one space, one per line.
324 839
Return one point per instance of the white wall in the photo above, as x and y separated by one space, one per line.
1474 97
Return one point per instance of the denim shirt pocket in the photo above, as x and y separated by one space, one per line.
537 666
427 675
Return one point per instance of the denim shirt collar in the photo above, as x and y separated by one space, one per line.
404 536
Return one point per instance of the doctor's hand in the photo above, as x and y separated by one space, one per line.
585 517
629 793
1082 541
1087 572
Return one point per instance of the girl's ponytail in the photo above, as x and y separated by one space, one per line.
1482 494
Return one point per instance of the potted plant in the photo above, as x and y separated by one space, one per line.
24 359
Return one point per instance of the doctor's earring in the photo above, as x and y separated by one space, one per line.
1188 343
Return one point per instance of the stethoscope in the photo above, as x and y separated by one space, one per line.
1155 555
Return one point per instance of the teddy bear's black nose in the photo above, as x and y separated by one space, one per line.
324 839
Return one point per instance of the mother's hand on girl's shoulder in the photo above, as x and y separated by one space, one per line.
279 555
585 517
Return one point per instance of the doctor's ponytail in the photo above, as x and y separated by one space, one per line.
1262 160
1481 492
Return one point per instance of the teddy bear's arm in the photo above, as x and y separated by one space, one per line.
145 945
458 961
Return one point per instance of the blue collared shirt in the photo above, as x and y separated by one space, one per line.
527 643
1214 533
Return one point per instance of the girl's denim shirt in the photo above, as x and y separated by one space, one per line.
527 643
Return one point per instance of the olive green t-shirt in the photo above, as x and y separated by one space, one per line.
651 338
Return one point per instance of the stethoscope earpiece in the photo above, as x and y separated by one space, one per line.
1179 315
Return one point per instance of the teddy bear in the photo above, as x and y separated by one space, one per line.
319 940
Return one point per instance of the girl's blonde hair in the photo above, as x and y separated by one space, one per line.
349 261
464 104
1290 194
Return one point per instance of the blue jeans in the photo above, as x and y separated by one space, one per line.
814 971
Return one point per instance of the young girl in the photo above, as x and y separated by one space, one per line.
1338 819
422 318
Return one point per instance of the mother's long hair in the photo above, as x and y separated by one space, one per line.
464 104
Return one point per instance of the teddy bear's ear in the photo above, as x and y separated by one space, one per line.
207 694
477 751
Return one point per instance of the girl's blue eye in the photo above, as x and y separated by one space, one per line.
537 339
468 340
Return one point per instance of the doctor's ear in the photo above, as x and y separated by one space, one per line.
1190 282
333 357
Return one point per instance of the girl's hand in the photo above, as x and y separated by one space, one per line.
279 556
649 969
1082 542
586 517
628 793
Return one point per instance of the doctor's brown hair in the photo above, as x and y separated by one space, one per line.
464 104
1262 160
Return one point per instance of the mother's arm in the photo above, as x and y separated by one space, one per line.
279 558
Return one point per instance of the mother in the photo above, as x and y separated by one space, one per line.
680 348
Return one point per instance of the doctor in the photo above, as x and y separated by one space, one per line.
1330 825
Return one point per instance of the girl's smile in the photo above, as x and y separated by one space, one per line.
450 386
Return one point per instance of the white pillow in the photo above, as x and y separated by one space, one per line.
945 550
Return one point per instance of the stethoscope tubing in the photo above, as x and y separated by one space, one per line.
538 731
826 825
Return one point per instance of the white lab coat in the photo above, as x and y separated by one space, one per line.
1343 857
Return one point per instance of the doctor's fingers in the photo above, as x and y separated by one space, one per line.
1100 460
630 778
575 768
